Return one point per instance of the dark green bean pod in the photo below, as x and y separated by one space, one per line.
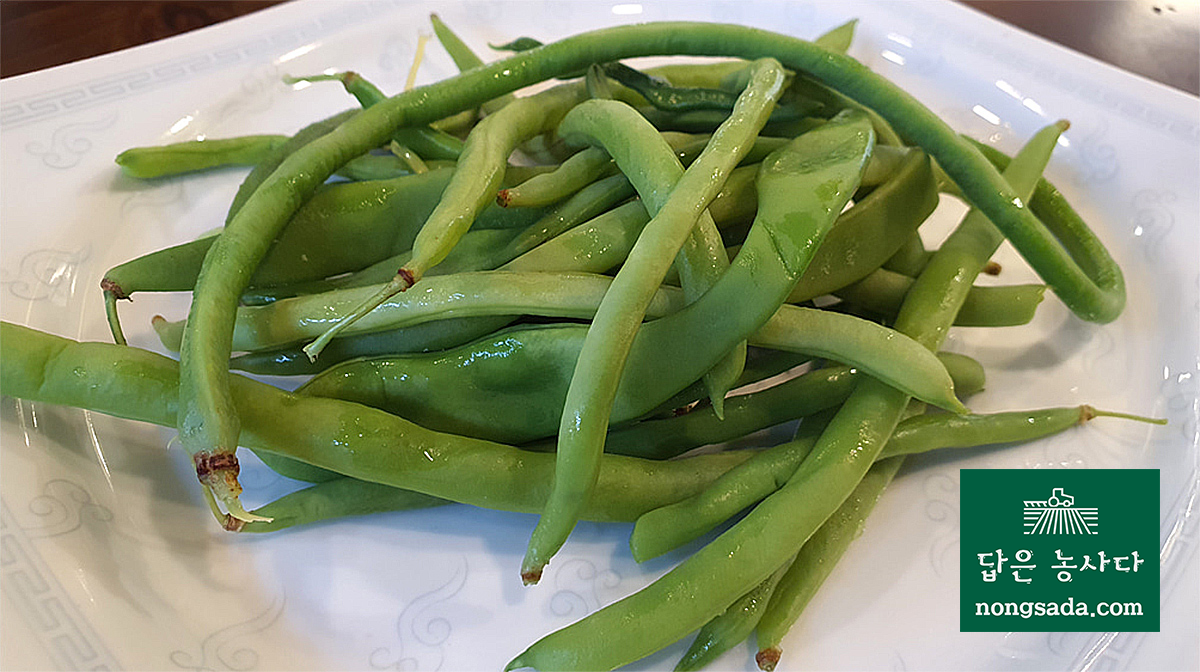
427 142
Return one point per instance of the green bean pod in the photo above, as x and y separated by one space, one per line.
581 169
340 497
804 395
680 220
910 259
186 157
883 291
429 337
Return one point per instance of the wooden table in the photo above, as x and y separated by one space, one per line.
1156 39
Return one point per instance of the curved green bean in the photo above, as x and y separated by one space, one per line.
588 404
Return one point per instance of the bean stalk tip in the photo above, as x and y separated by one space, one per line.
1088 412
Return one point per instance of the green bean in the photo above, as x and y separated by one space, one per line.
801 396
477 294
725 569
761 365
346 438
928 311
382 167
859 245
581 169
805 573
588 404
477 250
1006 306
487 148
429 337
1049 204
341 227
588 203
595 246
185 157
340 497
209 419
653 169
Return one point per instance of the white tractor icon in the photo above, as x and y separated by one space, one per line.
1059 499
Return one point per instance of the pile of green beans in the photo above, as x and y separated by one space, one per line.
555 338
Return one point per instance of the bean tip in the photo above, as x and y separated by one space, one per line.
1088 412
992 268
503 198
767 659
109 285
408 277
530 577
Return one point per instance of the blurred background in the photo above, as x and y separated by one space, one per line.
1153 38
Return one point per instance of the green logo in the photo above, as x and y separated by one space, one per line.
1065 550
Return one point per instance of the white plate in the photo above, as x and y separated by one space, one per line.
109 560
